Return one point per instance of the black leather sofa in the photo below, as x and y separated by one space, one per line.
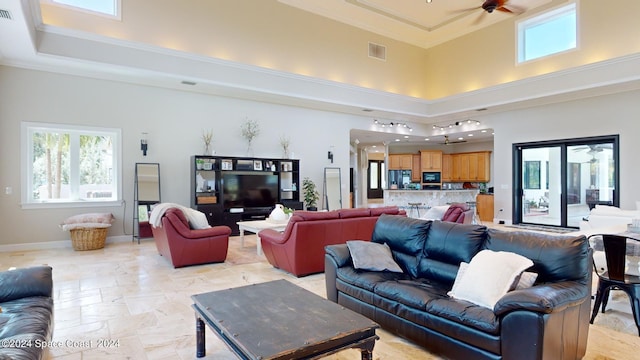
26 320
549 320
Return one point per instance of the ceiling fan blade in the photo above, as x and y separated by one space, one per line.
479 19
514 9
464 10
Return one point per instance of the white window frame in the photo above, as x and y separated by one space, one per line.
523 25
117 5
27 130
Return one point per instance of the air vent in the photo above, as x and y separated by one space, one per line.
5 14
377 51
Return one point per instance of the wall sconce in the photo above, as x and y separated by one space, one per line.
143 144
330 156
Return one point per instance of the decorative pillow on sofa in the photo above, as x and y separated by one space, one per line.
526 279
489 276
435 212
372 256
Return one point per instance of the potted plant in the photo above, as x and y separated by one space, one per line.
311 195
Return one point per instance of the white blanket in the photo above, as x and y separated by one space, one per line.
196 219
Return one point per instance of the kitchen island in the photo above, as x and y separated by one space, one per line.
428 198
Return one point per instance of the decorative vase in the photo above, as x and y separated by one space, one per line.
208 150
249 149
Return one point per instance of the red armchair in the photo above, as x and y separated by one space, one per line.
458 213
183 246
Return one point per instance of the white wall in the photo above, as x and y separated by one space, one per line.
603 115
174 122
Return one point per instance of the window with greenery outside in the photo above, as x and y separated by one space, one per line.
71 164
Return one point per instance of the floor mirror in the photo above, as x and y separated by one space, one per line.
146 194
332 189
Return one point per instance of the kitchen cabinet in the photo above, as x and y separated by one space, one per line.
470 167
484 206
400 162
431 160
447 168
416 170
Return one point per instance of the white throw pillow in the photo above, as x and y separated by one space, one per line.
526 279
367 255
489 276
197 219
435 213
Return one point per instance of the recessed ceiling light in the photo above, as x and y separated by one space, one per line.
470 135
397 139
406 136
460 138
426 139
484 131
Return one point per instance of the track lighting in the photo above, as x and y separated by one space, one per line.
392 124
457 123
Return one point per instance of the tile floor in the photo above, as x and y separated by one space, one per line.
129 295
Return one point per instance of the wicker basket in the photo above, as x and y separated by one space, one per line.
88 238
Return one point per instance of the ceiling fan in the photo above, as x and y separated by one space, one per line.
490 6
449 142
594 148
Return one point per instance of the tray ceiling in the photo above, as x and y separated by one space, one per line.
413 21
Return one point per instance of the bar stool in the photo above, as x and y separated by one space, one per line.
415 206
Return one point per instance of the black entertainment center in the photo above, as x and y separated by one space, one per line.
231 189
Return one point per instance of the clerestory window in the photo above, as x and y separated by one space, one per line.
550 33
103 7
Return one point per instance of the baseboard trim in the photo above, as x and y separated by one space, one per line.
60 244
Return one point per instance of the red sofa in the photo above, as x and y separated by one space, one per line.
300 248
182 246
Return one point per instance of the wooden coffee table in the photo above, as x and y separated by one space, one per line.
255 226
279 320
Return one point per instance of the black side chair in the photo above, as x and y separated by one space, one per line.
613 277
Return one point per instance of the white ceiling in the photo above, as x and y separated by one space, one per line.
26 42
413 21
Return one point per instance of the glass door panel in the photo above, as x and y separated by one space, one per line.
590 179
541 186
558 182
375 179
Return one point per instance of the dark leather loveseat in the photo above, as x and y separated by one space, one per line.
549 320
26 320
300 248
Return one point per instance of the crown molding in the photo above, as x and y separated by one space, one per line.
61 50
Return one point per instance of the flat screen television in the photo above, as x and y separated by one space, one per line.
249 189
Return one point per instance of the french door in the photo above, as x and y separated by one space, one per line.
558 182
375 179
